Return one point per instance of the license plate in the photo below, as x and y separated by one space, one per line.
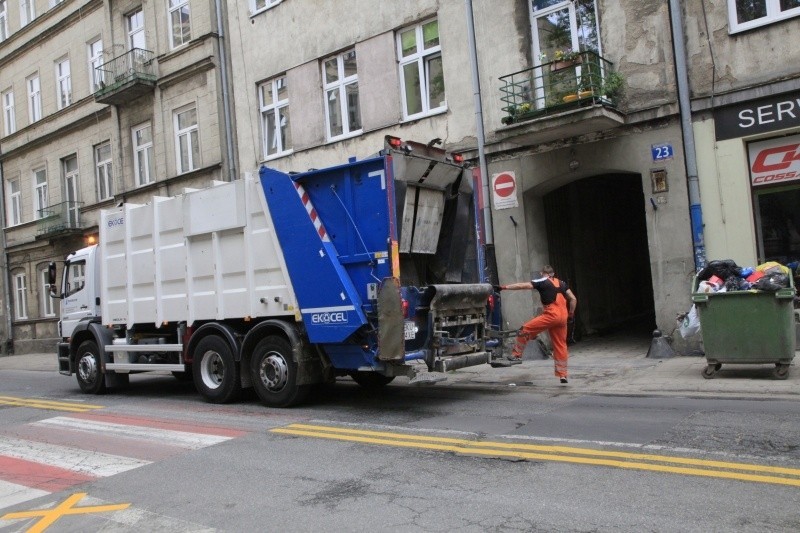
410 330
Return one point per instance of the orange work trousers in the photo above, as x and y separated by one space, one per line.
553 320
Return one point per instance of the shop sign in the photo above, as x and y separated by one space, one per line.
757 116
775 161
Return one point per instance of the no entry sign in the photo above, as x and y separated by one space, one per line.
504 190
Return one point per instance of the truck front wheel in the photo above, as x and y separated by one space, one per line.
216 373
275 373
89 373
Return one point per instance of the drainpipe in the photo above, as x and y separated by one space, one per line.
476 88
679 51
226 103
7 278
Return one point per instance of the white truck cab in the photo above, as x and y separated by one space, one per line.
79 292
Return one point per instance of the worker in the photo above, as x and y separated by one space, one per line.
559 308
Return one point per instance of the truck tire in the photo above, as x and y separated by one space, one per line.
88 369
274 373
216 372
371 380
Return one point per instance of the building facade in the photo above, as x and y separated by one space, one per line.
102 102
580 113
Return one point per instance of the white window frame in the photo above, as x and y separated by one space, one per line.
104 175
258 6
48 308
142 175
9 115
270 104
774 14
187 141
338 89
135 33
95 52
72 189
54 3
40 199
34 85
14 203
20 296
27 12
175 8
3 20
422 57
63 83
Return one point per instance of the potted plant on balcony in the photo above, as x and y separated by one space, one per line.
565 58
612 86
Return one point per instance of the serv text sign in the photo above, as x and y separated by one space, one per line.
774 161
504 190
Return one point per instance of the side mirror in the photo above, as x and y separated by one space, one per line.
51 280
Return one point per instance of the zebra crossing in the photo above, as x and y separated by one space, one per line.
62 452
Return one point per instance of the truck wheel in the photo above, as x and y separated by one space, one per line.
371 380
90 376
275 373
216 373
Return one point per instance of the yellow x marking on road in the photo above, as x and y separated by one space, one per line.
49 516
72 407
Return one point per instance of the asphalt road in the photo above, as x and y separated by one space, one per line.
155 457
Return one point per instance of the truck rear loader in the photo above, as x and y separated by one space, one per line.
280 282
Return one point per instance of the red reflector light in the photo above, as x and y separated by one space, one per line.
394 142
490 302
458 158
405 309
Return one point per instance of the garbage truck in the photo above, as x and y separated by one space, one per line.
370 269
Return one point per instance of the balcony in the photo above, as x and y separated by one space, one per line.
125 77
59 219
562 98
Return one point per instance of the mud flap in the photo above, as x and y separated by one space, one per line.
391 340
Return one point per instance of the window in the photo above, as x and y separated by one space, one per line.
96 75
20 296
135 26
9 117
187 144
26 12
76 277
340 85
63 84
48 309
747 14
273 99
14 203
105 177
178 11
71 190
39 193
3 20
421 75
34 99
257 6
143 154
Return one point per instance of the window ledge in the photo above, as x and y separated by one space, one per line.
420 116
345 136
273 157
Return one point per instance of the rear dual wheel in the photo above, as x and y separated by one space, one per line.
215 370
274 373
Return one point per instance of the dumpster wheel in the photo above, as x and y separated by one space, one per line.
711 370
781 371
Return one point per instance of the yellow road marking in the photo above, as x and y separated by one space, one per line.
72 407
648 462
49 516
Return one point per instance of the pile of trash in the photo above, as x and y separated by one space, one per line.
726 275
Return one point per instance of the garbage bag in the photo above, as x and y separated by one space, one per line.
723 269
690 325
772 267
772 282
735 283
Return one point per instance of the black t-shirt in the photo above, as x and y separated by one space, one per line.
547 289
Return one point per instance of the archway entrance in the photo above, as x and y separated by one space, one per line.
597 238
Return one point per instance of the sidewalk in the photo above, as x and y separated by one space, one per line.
608 365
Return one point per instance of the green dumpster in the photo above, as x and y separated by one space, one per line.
747 327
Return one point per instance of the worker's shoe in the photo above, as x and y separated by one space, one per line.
509 360
564 380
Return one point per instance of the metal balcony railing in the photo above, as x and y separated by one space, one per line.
125 77
59 218
556 86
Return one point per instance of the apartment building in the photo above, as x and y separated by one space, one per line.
744 73
102 102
